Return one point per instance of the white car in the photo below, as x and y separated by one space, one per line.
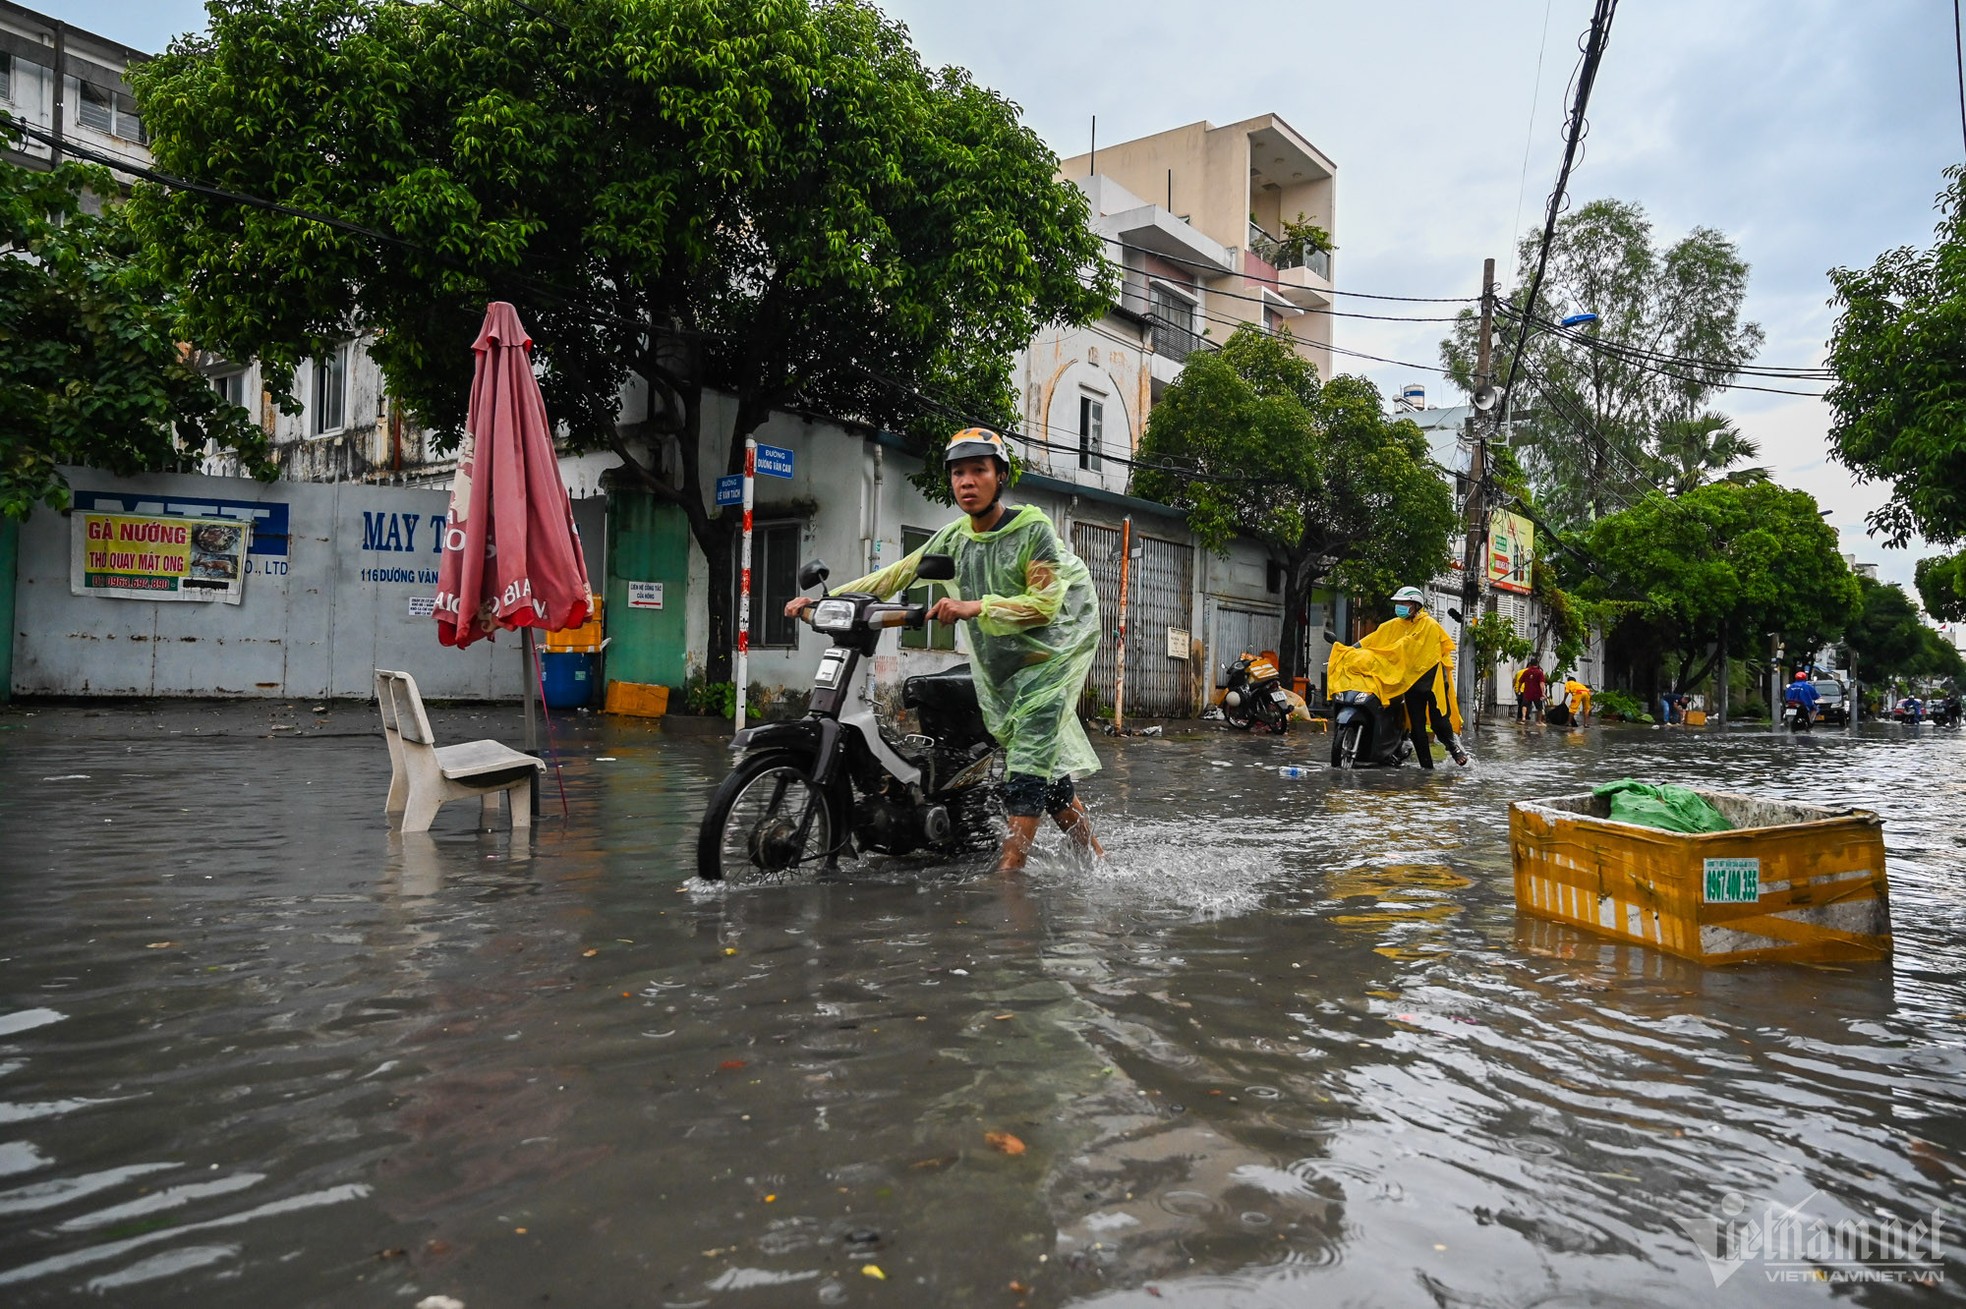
1833 706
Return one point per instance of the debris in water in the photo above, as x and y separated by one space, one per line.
589 953
1005 1142
439 1302
866 1270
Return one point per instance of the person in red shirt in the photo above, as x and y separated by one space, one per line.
1534 685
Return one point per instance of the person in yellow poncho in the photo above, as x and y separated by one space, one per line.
1407 660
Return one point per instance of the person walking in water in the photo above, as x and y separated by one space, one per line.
1531 685
1032 618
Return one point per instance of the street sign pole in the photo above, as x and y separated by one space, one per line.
744 581
1119 649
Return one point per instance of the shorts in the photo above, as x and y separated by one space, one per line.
1026 796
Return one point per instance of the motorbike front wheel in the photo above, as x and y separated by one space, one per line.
767 823
1344 745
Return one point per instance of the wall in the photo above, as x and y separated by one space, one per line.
9 552
330 580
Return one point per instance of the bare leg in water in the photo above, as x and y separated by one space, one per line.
1072 820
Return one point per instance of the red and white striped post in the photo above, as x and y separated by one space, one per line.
744 582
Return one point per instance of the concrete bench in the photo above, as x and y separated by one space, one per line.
424 776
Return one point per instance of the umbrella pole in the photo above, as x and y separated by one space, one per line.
532 689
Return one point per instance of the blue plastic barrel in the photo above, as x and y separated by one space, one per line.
569 677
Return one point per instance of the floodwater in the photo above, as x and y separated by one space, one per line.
1291 1046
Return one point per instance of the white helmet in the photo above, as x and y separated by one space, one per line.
1412 593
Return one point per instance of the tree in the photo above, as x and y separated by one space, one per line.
1891 640
1690 452
772 199
1589 404
1941 585
1249 443
1720 569
1899 402
90 372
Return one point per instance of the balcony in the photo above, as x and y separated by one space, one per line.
1173 340
1276 257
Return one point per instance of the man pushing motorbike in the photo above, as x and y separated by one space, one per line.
1408 659
1033 626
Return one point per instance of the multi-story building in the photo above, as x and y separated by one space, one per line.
1236 187
67 83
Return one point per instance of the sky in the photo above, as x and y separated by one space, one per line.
1814 134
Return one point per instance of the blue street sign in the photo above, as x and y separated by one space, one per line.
774 461
730 490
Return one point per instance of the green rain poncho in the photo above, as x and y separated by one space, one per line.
1032 645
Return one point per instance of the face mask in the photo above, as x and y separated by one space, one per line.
1402 611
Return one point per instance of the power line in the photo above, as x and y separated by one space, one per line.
1214 270
1665 369
1609 345
1959 62
1574 128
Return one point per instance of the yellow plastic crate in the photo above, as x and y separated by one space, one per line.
585 639
1792 883
637 699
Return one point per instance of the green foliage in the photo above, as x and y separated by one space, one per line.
1899 402
90 371
1724 566
1301 239
771 198
1494 638
1337 493
1942 586
1688 453
1622 703
1591 422
1890 640
1567 618
703 696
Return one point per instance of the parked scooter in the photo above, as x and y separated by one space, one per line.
1255 696
805 793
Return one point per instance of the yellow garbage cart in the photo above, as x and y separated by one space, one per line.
1793 883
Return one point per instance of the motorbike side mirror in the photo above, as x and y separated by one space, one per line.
1455 614
813 572
1330 637
935 568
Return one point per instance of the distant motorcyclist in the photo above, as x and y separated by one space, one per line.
1803 695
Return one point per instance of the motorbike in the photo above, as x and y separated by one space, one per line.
1947 713
806 792
1255 695
1796 716
1366 732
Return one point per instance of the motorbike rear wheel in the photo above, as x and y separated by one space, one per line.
768 824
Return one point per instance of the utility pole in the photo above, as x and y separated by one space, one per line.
1473 564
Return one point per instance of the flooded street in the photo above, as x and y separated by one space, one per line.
1291 1046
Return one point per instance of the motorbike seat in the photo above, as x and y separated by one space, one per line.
946 701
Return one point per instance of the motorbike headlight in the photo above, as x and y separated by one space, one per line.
833 615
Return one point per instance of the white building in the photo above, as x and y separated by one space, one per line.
67 83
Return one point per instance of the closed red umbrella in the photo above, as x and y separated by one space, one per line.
511 555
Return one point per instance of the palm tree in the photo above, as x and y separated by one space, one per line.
1690 452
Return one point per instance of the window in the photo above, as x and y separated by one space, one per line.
932 636
231 388
94 107
331 391
1173 317
6 77
774 581
1092 423
129 126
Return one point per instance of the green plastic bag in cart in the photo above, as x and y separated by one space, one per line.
1665 806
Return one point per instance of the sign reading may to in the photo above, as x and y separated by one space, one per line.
148 557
